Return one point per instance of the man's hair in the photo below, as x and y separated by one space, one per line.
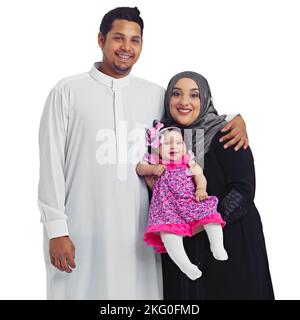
123 13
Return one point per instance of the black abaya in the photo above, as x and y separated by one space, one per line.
245 275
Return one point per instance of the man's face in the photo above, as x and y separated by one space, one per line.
121 48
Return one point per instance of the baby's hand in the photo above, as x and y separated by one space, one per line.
158 169
200 195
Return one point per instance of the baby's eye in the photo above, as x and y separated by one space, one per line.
175 94
195 95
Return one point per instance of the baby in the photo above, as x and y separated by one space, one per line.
180 205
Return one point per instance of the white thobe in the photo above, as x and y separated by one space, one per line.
90 131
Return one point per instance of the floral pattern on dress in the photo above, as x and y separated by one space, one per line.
174 207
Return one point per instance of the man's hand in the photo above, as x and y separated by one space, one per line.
237 135
158 169
62 253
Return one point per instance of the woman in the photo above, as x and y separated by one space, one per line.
231 177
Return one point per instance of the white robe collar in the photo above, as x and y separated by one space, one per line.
108 81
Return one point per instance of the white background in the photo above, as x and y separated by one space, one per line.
249 52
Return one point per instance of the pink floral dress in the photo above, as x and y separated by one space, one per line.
174 208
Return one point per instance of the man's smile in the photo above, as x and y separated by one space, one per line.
124 57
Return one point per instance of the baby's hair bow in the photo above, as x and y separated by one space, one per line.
152 134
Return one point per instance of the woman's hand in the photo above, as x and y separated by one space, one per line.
150 180
238 134
200 195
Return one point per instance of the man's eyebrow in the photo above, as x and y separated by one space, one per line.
118 33
122 34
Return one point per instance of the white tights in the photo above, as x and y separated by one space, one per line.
174 246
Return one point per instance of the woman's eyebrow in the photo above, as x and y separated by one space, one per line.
193 89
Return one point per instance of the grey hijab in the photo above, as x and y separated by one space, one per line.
208 123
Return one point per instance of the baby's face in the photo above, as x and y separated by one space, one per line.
172 147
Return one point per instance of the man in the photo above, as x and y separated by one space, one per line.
90 197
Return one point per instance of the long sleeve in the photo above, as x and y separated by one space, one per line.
238 168
52 139
229 117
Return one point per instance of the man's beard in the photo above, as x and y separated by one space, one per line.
121 70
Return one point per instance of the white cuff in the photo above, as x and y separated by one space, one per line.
54 220
229 117
57 228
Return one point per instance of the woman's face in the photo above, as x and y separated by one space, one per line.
173 147
185 102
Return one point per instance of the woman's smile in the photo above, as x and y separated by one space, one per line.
184 111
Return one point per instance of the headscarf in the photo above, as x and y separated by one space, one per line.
208 122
